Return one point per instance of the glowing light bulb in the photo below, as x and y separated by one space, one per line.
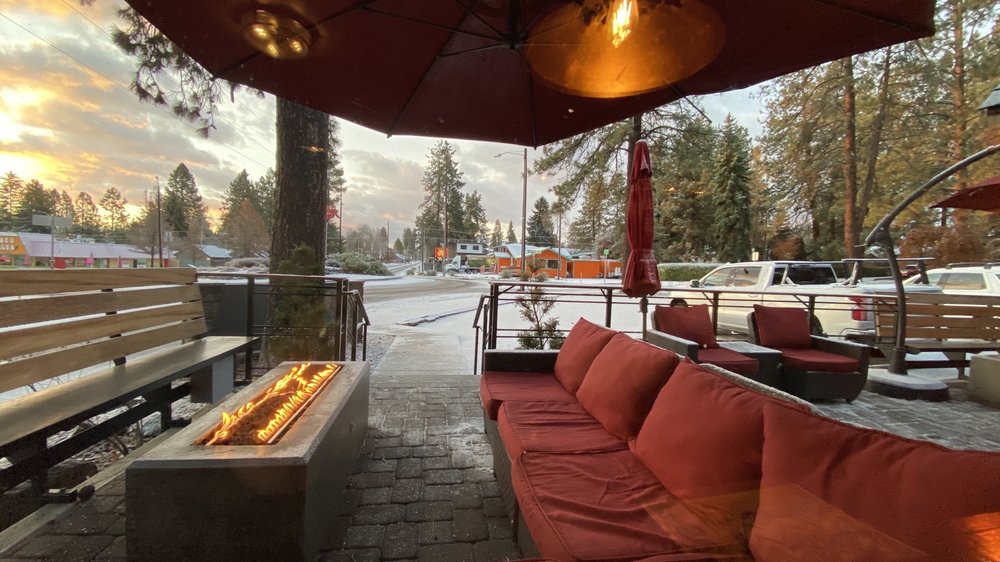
623 12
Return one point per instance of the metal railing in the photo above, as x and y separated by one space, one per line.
244 304
606 304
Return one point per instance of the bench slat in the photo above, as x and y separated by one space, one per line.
20 282
982 323
930 332
970 346
38 368
56 336
26 414
27 311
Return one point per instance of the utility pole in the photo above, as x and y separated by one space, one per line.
159 222
524 208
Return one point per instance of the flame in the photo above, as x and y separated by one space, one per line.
623 12
304 389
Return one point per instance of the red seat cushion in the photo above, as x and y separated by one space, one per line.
497 386
623 381
607 506
817 360
729 359
850 493
704 440
582 345
552 427
782 327
692 323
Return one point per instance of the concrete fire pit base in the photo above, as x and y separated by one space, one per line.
252 502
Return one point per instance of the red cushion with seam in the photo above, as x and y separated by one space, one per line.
817 360
623 381
497 386
552 427
582 345
608 506
704 435
784 327
862 494
692 323
729 359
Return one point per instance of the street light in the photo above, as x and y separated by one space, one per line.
524 202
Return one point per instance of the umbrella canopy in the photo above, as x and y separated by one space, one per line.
526 72
983 196
641 278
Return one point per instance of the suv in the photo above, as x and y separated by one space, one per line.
964 279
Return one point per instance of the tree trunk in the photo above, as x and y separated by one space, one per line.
303 144
852 229
959 131
875 139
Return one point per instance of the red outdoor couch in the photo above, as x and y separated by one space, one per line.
614 449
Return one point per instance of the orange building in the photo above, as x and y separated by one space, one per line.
508 258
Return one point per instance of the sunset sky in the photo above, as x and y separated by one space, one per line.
68 120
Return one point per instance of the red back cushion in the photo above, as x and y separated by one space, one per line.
784 327
582 344
715 425
622 383
871 495
689 322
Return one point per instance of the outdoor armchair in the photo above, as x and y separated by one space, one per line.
812 367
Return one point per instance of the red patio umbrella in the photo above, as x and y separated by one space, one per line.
982 196
641 278
527 72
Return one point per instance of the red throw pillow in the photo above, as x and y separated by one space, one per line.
689 322
782 327
622 383
870 495
582 345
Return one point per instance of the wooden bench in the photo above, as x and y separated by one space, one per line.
116 335
954 325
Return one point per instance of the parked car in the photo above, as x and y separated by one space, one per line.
841 308
963 279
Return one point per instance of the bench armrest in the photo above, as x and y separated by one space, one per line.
857 351
523 361
680 346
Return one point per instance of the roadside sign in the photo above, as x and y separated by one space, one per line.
439 253
50 220
606 252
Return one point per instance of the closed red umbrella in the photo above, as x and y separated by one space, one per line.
983 196
527 72
641 278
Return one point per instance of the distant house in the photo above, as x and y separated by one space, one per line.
204 255
470 248
28 249
555 263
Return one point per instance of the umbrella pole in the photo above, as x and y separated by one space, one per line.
643 308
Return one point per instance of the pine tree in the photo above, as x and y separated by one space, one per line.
88 219
474 217
541 230
115 214
731 193
11 193
247 235
441 213
182 205
496 235
511 237
35 200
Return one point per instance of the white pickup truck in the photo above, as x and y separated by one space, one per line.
840 309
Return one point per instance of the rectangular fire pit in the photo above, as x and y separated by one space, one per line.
185 500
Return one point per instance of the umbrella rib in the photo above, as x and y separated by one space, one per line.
434 25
